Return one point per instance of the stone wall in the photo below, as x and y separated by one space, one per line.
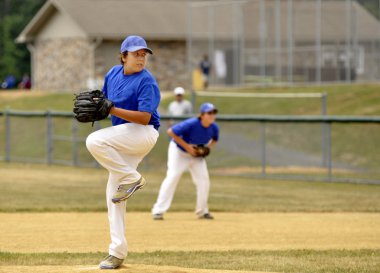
67 64
168 64
62 64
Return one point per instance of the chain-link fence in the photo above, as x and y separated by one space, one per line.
326 148
284 41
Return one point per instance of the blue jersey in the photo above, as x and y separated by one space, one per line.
192 131
136 92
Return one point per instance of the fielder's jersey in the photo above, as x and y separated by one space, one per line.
192 131
136 92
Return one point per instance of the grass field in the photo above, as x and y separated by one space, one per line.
354 99
56 188
354 146
55 221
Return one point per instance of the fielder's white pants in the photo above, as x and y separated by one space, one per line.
120 149
178 162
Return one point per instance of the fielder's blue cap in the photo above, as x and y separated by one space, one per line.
207 107
134 43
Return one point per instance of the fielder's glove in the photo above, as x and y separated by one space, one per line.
201 151
91 106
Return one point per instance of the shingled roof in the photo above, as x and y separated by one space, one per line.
167 19
113 19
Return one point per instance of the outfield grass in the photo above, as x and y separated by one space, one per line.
36 100
354 99
311 261
56 188
353 145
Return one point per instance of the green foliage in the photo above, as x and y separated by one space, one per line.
372 6
11 51
14 15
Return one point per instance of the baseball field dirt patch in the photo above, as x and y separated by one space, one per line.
88 232
264 242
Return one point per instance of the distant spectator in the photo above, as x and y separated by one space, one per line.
25 83
205 67
180 106
9 83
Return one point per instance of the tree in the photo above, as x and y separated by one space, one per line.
12 53
371 5
14 16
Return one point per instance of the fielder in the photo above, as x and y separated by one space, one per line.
191 142
131 97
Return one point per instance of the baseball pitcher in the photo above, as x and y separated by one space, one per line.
131 95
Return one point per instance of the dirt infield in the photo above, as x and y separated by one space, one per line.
135 268
88 232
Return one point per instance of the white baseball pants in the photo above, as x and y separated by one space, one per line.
178 162
120 149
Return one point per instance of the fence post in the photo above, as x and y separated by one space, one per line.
7 136
290 41
323 128
49 137
329 155
74 139
189 41
193 99
324 104
263 148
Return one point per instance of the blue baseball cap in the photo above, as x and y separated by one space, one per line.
207 107
134 43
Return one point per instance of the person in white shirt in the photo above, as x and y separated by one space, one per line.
180 106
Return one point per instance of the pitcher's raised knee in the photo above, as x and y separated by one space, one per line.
93 142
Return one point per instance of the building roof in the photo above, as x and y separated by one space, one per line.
114 19
168 19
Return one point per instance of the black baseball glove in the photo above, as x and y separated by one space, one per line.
201 151
91 106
